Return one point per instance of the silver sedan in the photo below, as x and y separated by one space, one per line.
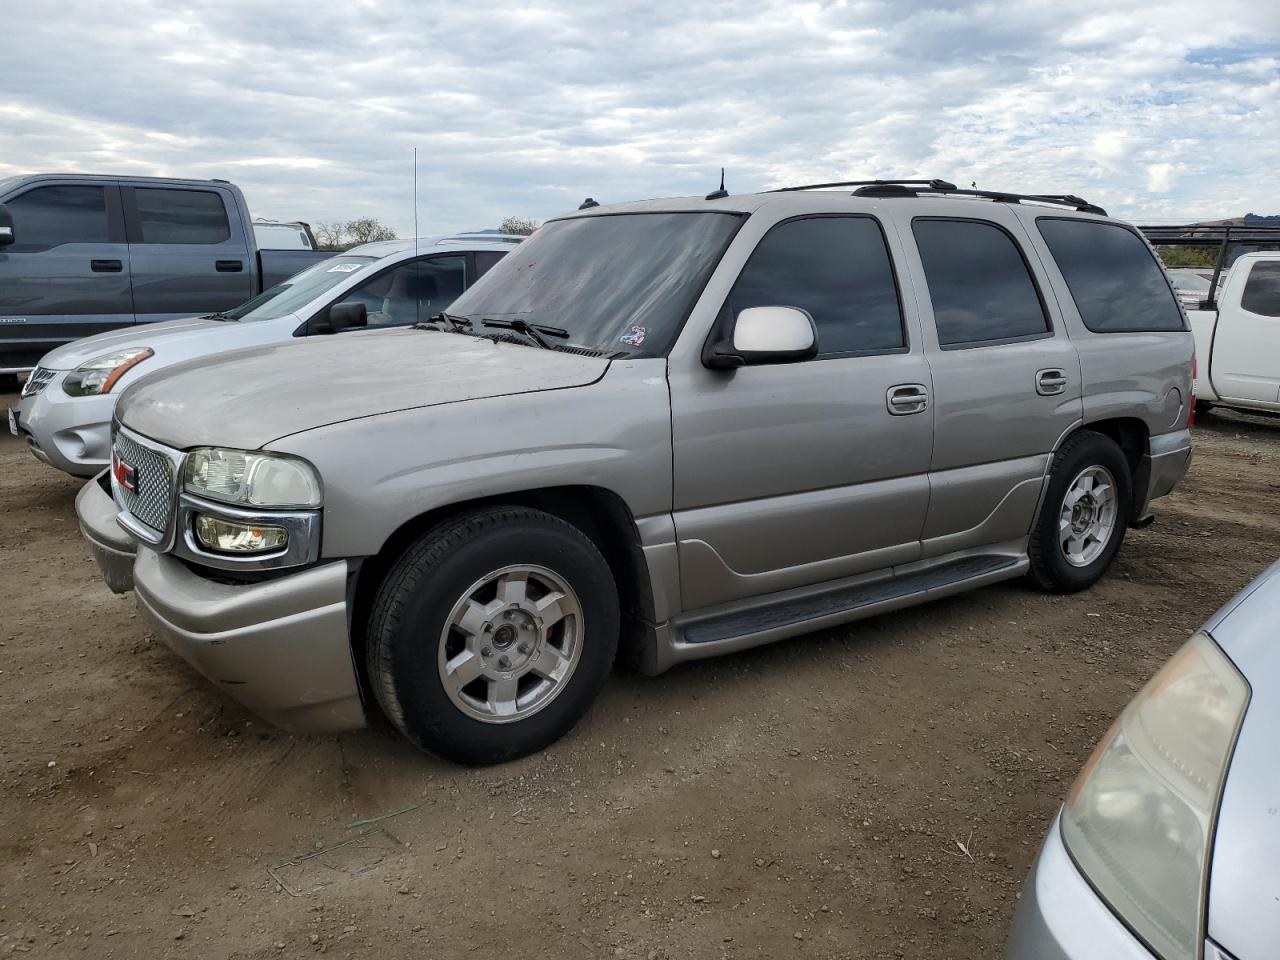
1168 845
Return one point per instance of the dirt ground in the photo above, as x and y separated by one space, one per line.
877 790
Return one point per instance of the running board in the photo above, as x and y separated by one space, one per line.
712 634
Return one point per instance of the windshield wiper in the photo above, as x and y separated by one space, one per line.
533 331
220 315
455 322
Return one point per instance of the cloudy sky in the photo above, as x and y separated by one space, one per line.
1155 110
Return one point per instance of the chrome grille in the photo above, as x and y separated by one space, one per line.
151 500
38 380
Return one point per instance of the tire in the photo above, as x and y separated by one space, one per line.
1081 562
1203 407
511 636
8 383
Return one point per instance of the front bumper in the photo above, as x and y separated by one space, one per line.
112 548
72 434
280 647
1060 917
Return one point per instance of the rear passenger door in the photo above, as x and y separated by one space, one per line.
67 273
187 258
793 474
1006 379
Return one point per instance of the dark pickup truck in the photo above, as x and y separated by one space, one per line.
83 254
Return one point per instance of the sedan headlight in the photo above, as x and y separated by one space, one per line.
1139 820
100 374
250 479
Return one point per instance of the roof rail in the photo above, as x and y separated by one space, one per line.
904 188
940 184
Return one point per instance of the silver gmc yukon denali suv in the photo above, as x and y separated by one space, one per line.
671 429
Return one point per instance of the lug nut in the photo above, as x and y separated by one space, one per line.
524 648
504 662
486 652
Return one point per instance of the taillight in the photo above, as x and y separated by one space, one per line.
1191 413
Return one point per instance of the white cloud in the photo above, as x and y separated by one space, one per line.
1153 110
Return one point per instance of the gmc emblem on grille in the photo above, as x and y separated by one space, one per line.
124 474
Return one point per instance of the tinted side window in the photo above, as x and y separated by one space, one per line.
484 260
48 216
181 216
979 283
1262 290
412 292
838 269
1115 281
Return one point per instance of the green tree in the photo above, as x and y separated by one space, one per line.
522 226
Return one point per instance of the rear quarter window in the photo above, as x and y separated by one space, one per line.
1114 278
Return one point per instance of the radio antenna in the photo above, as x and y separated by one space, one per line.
721 193
415 202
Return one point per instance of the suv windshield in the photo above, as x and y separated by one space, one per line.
299 290
615 282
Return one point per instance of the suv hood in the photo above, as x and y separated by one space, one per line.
247 398
169 332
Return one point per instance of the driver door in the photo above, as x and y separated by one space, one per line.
797 473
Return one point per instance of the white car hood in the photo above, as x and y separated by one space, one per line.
171 333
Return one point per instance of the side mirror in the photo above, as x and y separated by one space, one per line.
6 226
762 335
341 316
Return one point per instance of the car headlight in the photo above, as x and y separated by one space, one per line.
249 479
1139 820
100 374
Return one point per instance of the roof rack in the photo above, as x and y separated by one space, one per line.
913 188
900 189
939 184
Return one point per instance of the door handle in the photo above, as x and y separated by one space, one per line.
229 266
106 266
907 398
1051 382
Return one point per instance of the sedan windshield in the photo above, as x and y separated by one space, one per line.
614 283
299 290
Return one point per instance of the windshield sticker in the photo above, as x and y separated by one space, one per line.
635 336
345 267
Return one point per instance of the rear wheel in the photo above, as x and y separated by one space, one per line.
1083 519
492 634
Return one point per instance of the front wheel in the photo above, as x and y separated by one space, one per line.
492 634
1085 512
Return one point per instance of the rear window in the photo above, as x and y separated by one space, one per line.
1262 290
979 283
1114 279
181 216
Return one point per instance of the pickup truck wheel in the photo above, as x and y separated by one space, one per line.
1084 515
492 634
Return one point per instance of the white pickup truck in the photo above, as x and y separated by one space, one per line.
1238 343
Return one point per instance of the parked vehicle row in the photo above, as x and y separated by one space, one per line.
83 254
675 428
67 403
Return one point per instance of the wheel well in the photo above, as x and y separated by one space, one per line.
1130 435
599 513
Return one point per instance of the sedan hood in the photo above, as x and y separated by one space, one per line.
1244 881
247 398
170 332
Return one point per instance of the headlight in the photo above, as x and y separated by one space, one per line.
250 479
1139 820
102 373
